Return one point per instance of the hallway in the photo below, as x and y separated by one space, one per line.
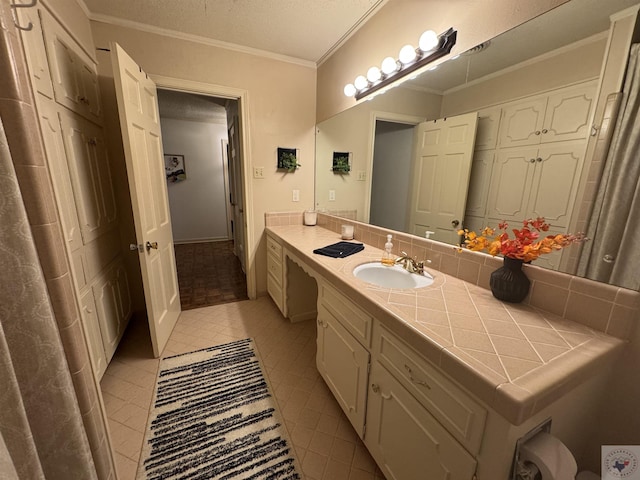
209 274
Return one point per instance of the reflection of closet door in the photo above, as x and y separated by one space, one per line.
555 182
568 113
92 328
511 183
522 123
60 177
488 127
479 183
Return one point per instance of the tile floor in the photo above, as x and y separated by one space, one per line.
326 444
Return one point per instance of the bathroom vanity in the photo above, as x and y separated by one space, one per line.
440 381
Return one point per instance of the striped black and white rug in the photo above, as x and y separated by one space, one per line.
214 417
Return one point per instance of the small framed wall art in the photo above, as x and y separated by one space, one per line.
174 168
341 162
288 159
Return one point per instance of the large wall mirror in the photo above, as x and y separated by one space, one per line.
521 107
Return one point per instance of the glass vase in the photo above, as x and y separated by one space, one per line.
509 283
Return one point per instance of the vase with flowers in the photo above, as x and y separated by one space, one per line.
509 282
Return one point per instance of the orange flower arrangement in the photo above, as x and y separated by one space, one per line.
526 244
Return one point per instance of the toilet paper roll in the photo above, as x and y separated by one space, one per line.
551 456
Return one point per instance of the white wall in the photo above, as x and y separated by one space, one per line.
198 204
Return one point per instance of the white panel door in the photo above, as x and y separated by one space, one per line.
441 170
140 124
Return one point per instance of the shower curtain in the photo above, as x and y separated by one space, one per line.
613 254
41 430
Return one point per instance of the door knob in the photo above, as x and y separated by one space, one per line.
151 245
455 223
134 247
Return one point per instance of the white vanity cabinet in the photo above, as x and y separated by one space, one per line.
342 359
416 423
275 274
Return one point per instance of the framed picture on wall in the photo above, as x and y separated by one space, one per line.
174 168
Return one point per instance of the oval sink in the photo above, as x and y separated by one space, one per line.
391 277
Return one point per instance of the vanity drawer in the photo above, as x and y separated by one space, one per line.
462 416
355 320
274 248
274 266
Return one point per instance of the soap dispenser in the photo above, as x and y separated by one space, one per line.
387 256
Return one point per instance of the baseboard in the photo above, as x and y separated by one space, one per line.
201 240
301 317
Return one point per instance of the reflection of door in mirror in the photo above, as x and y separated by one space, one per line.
440 176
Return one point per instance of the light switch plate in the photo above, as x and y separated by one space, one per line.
332 195
258 172
296 196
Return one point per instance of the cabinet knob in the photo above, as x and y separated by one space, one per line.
537 132
544 130
538 159
375 388
532 160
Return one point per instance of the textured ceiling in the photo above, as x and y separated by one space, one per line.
302 29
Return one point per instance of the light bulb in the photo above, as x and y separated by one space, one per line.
360 82
373 74
407 54
428 41
389 65
349 90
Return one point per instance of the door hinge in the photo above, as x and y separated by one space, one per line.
368 368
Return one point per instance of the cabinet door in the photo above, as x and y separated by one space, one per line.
511 184
568 114
73 72
90 175
92 332
405 440
487 129
555 182
60 177
479 182
522 123
35 50
343 363
112 307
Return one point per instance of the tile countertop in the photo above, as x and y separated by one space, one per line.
515 358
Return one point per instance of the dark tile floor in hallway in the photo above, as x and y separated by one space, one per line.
209 274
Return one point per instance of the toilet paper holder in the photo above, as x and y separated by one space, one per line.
545 426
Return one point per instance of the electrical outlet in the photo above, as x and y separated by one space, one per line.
258 172
296 196
332 195
362 175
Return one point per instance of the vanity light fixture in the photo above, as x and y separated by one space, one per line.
430 48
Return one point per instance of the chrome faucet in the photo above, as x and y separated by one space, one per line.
410 264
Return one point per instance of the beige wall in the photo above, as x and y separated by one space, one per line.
569 67
352 131
402 21
281 111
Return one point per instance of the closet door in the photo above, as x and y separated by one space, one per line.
36 52
522 123
568 114
90 174
555 182
60 175
511 184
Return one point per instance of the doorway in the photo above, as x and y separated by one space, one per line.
202 190
391 171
